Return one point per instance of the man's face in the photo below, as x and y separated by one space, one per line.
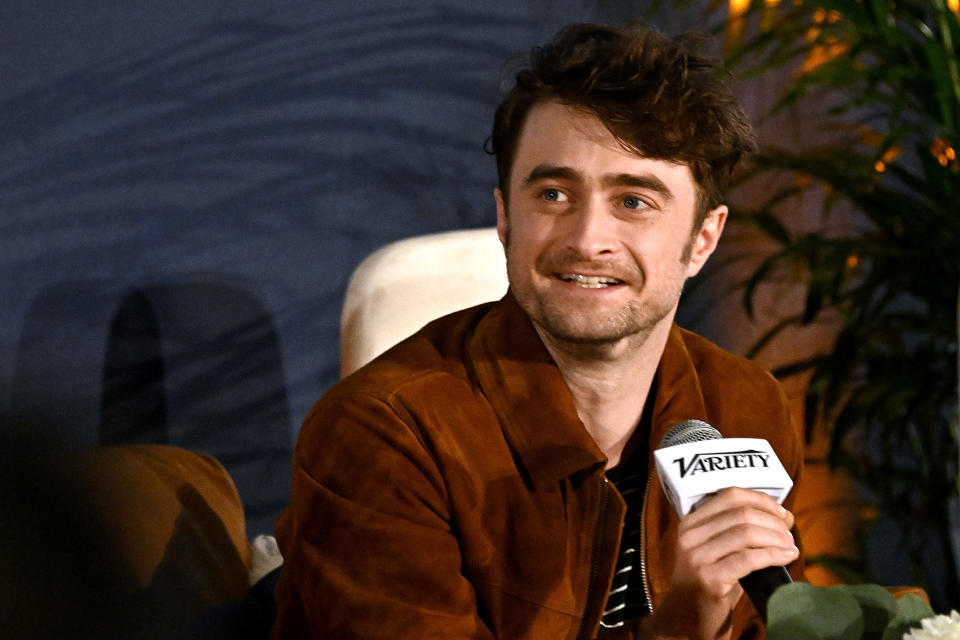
599 240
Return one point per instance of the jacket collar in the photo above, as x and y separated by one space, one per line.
679 394
535 407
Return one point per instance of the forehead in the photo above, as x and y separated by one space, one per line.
560 135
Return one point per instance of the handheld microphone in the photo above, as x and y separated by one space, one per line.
694 462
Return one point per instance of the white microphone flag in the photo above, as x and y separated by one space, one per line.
693 472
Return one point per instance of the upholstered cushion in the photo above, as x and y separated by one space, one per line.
406 284
175 518
126 541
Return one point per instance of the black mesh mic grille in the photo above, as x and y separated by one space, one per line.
689 431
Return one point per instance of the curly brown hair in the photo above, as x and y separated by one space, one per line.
657 96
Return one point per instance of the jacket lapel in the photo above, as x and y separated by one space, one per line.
679 395
530 397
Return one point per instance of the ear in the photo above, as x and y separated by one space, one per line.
705 240
501 216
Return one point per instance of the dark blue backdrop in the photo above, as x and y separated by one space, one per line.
185 188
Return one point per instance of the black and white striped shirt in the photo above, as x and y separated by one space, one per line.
628 597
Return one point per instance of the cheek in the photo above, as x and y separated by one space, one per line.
675 246
661 256
526 239
516 249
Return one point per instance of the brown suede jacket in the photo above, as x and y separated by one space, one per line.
449 489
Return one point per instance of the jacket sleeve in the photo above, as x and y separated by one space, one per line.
367 543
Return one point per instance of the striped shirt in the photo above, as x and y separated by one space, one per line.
628 598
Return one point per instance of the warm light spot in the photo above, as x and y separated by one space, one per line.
736 22
822 54
942 151
852 261
830 48
814 31
954 6
879 166
769 14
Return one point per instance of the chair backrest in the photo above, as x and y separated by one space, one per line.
406 284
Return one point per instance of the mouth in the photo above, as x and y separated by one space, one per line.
589 282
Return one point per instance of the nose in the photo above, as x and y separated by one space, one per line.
591 230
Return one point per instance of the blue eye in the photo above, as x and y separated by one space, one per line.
631 202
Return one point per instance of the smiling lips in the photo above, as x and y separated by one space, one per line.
589 282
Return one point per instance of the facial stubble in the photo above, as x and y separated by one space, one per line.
629 321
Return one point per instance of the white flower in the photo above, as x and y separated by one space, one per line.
937 628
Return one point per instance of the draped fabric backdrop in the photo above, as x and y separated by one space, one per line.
185 188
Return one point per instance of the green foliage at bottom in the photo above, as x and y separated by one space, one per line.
801 611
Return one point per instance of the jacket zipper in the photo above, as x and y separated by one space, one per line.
643 545
595 563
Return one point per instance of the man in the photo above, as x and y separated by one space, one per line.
459 486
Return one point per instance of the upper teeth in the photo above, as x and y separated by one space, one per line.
594 282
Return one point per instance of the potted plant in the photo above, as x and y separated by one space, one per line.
881 82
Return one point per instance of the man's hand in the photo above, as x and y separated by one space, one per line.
733 534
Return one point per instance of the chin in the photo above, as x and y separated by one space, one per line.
594 326
588 329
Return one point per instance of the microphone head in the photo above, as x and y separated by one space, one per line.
689 431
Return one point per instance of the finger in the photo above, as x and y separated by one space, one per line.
733 497
738 519
735 515
729 569
734 553
702 572
750 559
739 495
709 544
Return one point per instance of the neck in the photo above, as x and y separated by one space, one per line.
610 383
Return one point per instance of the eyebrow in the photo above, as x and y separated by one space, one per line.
642 181
549 171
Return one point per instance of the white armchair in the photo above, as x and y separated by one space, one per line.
402 286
